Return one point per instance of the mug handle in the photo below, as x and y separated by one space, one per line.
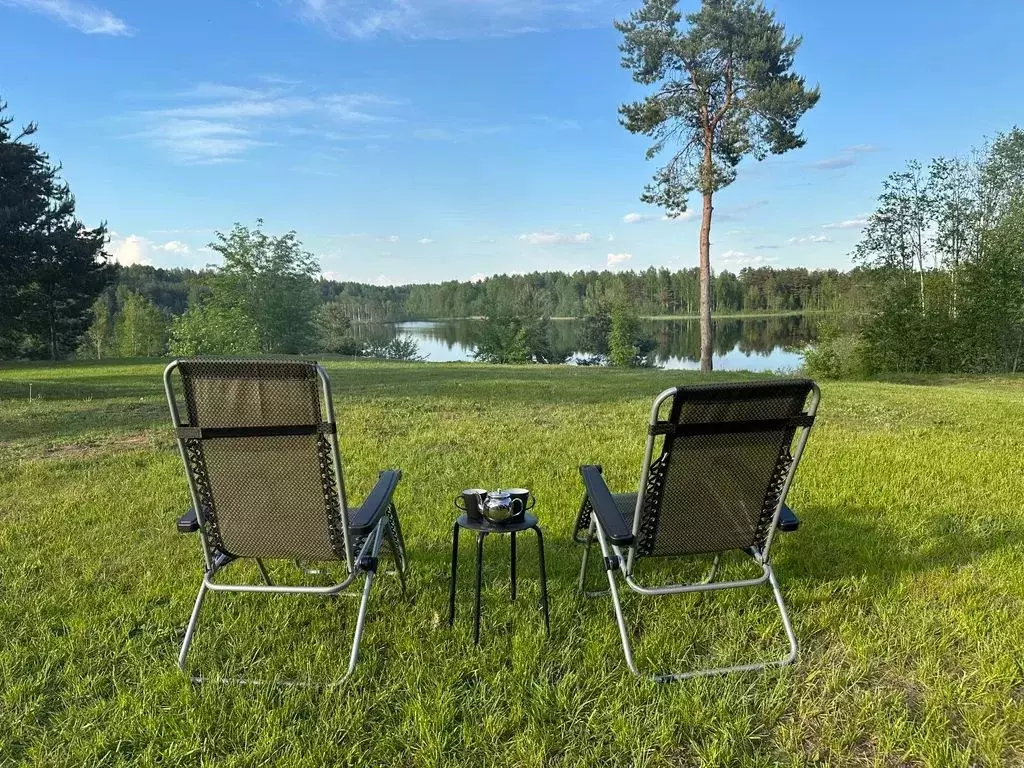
531 503
458 505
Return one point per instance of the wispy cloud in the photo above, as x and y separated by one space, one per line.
735 260
639 218
856 223
217 122
554 238
809 239
425 241
765 247
443 19
845 158
77 15
617 259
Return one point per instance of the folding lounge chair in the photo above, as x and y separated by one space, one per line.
719 484
261 455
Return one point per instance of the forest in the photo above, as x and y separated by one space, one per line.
653 292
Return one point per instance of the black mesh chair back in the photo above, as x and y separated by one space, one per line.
723 468
260 452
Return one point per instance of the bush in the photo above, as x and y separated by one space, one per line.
628 346
214 330
846 356
399 348
513 340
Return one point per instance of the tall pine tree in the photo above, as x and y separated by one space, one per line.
52 267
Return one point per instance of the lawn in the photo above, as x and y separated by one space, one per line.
905 583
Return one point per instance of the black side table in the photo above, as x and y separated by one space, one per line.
484 527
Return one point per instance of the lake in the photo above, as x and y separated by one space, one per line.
741 344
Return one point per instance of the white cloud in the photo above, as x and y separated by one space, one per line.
425 241
390 238
809 239
736 260
77 15
637 218
477 277
331 274
383 280
617 259
554 238
858 223
135 249
611 238
443 19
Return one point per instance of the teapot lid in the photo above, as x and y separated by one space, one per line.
499 494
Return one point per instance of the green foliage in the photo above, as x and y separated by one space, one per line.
52 267
510 339
653 292
725 89
210 329
628 347
593 336
838 353
98 342
271 281
140 328
946 254
399 348
333 327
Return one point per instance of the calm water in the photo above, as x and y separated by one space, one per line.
767 344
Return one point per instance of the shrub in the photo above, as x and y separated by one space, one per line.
399 348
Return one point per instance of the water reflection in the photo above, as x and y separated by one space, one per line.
752 344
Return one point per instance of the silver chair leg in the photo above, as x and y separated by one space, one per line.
789 658
627 648
363 604
190 630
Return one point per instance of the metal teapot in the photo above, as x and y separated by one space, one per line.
499 506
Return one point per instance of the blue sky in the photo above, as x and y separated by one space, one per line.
422 140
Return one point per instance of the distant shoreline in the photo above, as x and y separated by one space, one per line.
725 316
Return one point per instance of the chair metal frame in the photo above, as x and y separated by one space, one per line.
362 563
619 559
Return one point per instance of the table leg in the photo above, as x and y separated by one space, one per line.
455 570
543 580
513 566
479 579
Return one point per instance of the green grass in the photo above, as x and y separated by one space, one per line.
905 584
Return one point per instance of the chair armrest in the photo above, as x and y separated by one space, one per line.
188 523
788 521
362 519
612 523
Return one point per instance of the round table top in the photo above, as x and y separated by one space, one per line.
486 526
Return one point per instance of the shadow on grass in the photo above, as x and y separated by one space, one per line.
849 541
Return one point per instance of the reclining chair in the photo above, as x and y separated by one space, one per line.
261 454
719 484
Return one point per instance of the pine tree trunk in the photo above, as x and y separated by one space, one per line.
705 286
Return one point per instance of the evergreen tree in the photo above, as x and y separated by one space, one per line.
52 267
725 89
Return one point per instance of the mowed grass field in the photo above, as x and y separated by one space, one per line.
905 584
